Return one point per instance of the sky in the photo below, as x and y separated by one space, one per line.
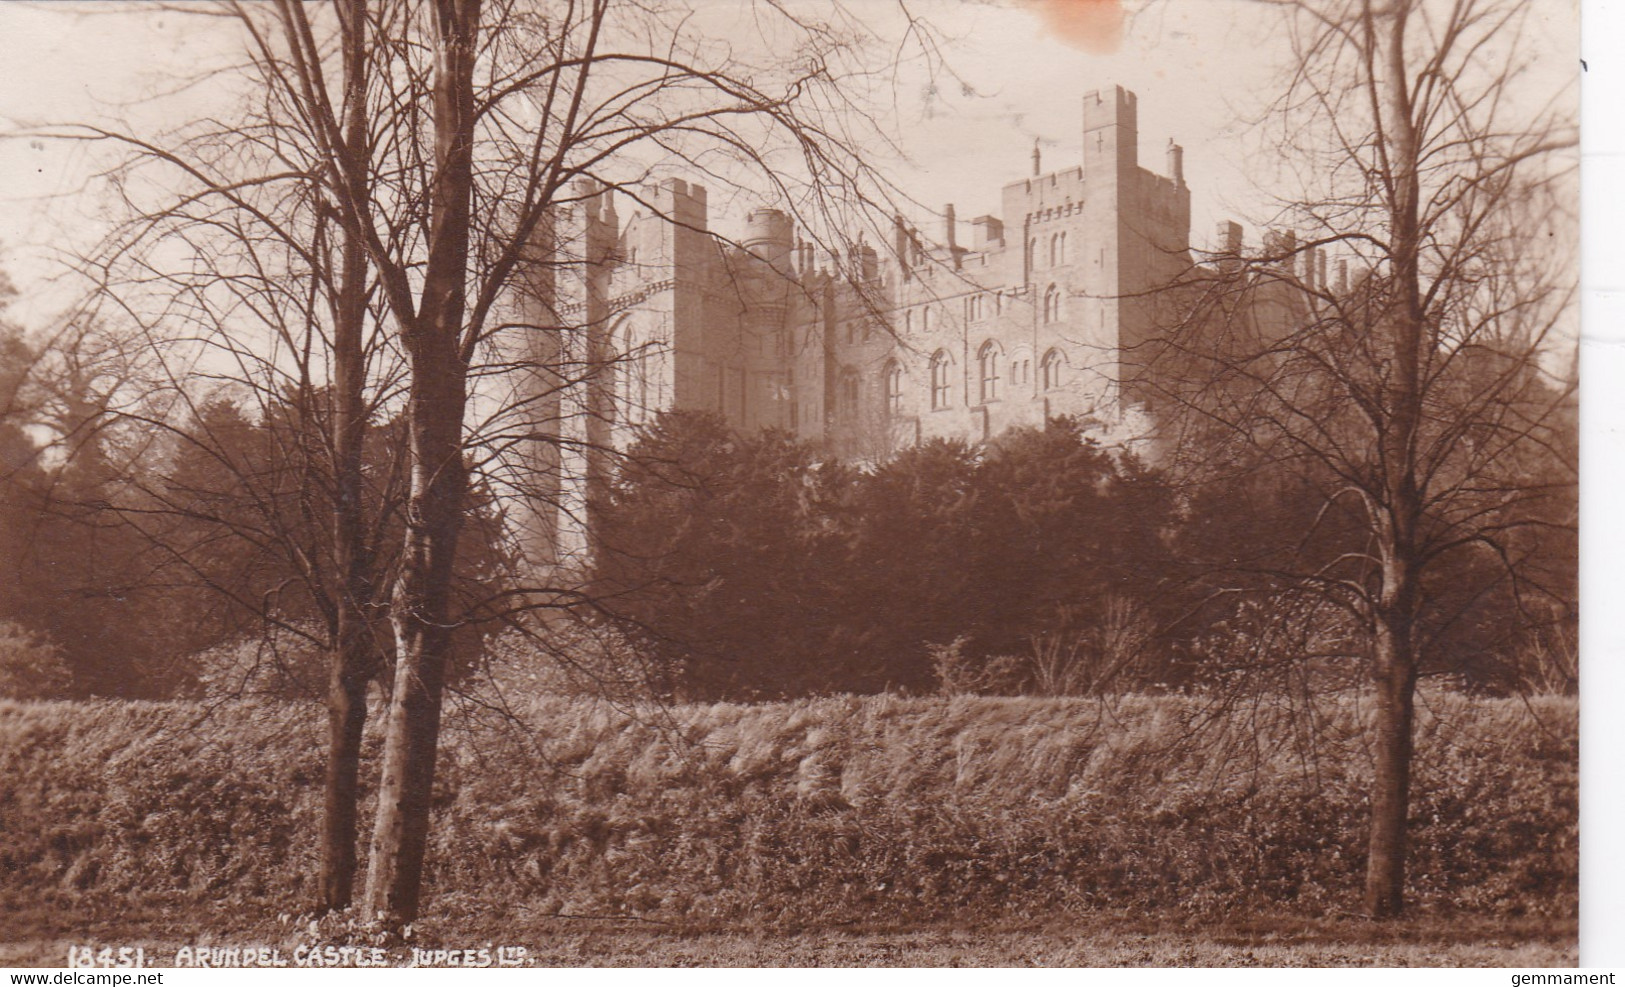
73 62
1015 73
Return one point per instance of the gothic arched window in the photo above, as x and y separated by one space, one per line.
1052 304
848 397
987 365
1051 368
941 380
892 377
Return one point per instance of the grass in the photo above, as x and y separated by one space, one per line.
1084 832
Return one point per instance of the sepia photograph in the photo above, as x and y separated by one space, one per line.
790 483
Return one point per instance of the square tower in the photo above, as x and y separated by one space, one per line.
1111 135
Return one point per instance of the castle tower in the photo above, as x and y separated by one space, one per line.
536 352
1149 218
1111 136
767 283
600 234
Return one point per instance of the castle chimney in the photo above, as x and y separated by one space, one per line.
1342 276
1036 158
1176 163
868 262
988 231
1281 249
952 240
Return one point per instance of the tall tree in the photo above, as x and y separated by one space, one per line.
486 116
272 301
1410 397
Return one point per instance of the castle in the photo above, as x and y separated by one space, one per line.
1026 319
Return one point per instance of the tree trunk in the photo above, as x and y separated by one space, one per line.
1395 675
352 662
421 605
346 719
1394 658
421 613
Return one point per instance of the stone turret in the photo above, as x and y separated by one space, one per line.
768 237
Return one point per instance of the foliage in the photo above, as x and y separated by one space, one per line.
280 664
722 554
78 575
31 667
757 568
242 511
957 674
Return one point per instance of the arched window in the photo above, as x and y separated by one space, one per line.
1051 367
925 319
1054 249
1052 304
892 377
621 373
941 380
1021 371
908 320
644 412
848 403
987 365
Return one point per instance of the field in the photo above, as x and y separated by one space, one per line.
1136 831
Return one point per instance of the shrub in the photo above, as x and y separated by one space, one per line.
280 664
959 674
31 667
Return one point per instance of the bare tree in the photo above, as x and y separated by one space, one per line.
486 116
1394 354
234 268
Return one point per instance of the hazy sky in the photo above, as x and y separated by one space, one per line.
1019 69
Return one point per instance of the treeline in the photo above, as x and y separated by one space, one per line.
192 553
1042 563
157 552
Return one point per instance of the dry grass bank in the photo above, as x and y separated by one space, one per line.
878 812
